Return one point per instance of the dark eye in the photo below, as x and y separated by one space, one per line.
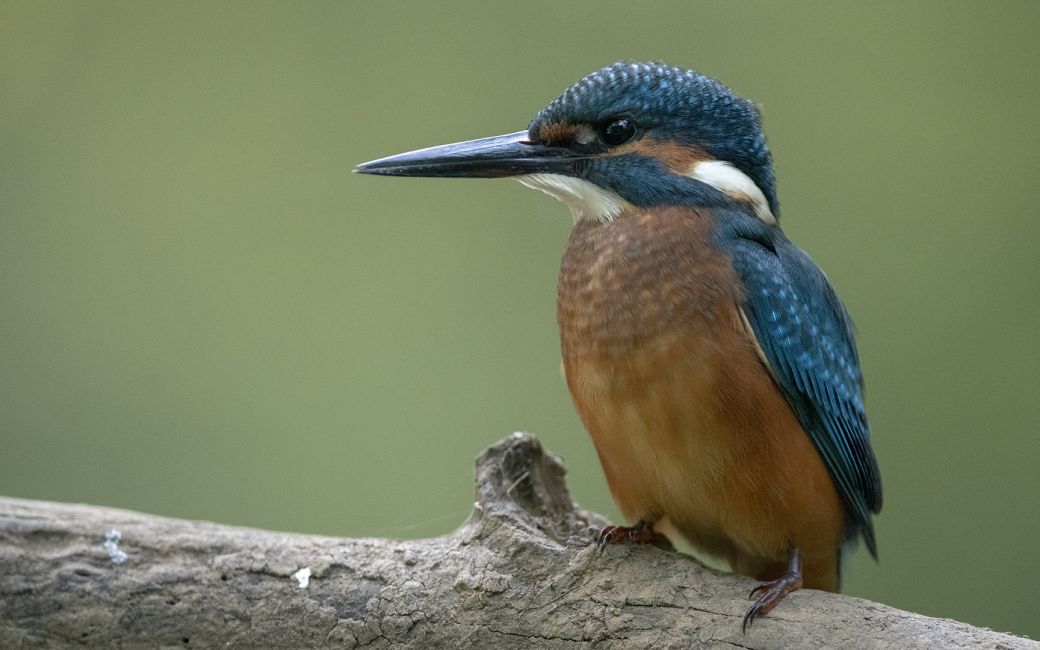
617 132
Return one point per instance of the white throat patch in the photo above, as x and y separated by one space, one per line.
586 200
728 179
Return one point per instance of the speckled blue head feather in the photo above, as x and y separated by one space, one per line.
671 102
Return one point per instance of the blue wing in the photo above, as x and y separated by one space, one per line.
806 336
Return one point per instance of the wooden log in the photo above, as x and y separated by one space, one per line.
521 572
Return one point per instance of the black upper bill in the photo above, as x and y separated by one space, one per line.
495 157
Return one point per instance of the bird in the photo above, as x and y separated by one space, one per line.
709 358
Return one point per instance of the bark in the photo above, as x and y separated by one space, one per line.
522 571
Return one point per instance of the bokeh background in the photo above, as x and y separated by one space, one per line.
203 314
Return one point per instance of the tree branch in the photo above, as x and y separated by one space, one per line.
520 572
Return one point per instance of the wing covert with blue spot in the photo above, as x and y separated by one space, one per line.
806 337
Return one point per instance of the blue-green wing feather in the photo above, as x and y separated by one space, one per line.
806 336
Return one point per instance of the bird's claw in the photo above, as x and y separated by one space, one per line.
641 533
749 617
774 592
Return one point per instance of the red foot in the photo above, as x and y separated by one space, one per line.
641 533
774 592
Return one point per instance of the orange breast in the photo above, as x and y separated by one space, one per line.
689 426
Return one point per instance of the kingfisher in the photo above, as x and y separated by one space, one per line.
709 358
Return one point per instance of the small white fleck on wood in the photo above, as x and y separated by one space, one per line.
303 577
112 538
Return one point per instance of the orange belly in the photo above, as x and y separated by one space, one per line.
690 428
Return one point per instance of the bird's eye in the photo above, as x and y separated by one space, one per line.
617 132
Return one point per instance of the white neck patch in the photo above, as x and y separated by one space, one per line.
728 179
586 200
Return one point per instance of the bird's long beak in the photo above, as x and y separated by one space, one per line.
496 157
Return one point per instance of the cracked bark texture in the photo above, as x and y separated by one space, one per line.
521 572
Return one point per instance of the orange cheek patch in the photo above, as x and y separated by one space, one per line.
677 158
551 133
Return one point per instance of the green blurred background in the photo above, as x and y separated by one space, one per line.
205 315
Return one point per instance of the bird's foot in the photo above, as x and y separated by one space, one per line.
772 593
642 533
